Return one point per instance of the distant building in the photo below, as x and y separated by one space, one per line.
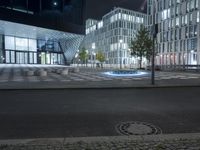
178 38
113 34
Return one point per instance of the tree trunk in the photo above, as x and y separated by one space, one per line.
140 62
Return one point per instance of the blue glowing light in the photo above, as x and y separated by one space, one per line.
136 74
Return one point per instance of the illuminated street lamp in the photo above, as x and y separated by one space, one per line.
94 59
93 53
2 59
77 57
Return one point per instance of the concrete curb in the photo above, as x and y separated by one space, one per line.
82 88
146 138
92 85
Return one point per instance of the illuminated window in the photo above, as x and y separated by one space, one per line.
164 14
21 44
112 19
125 17
182 20
7 57
186 19
100 24
93 45
129 17
168 13
115 17
172 23
188 6
192 4
142 20
169 24
9 43
119 15
177 21
32 45
137 19
190 18
197 4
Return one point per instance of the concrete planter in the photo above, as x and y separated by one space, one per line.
29 73
49 70
75 70
58 71
64 72
41 73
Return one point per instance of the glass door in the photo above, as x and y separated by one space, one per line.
10 56
48 58
21 57
43 58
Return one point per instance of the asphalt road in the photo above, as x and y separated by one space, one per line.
95 112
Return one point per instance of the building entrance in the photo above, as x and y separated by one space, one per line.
21 57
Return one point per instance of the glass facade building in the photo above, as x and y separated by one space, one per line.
113 34
178 31
31 51
25 44
40 31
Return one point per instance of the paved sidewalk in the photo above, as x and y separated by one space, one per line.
151 142
12 77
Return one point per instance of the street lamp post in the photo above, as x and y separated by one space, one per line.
120 52
130 57
153 50
76 56
93 52
91 58
86 58
94 59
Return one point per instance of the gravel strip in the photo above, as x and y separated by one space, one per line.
126 143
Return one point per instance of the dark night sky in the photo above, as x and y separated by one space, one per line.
93 9
97 8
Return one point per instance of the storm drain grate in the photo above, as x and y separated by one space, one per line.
137 128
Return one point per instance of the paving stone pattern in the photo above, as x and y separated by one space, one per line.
15 73
112 145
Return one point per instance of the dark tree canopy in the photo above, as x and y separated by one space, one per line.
83 55
142 45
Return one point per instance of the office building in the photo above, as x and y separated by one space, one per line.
178 37
113 34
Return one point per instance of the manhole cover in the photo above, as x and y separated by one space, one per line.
137 128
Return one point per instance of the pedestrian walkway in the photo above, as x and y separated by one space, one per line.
15 73
156 142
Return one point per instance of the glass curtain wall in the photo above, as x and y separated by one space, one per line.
31 51
49 52
20 50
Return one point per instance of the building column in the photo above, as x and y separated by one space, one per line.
198 53
1 49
